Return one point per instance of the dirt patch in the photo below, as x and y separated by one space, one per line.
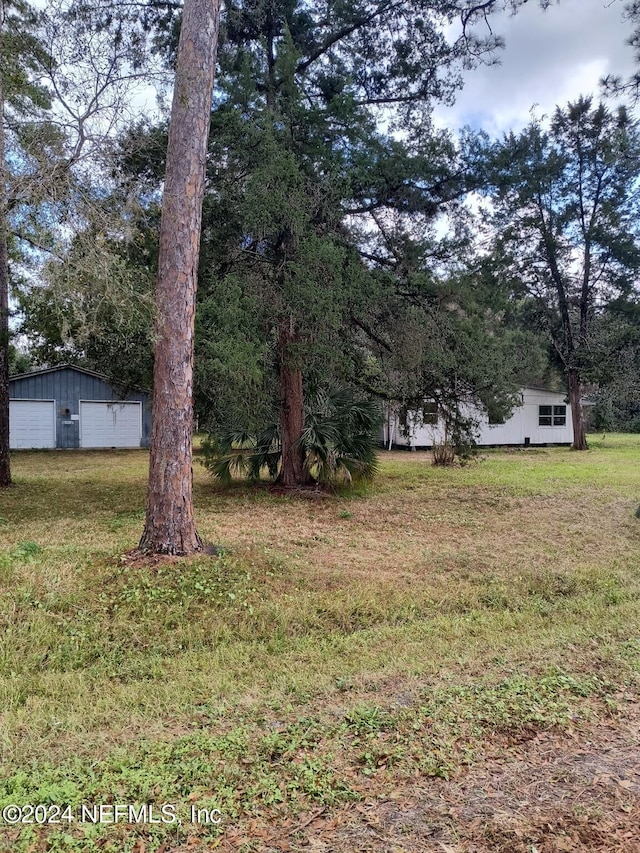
310 492
138 559
538 792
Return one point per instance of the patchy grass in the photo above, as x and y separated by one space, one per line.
337 647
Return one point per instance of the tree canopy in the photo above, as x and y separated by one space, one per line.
336 243
567 222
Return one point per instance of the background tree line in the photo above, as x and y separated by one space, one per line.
337 246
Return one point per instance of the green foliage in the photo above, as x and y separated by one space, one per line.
234 377
567 207
364 719
449 344
81 301
153 684
318 219
313 216
602 416
19 362
339 436
273 248
26 551
339 441
236 453
96 309
218 583
24 56
614 84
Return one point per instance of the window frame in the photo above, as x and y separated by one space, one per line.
545 415
560 415
552 415
430 413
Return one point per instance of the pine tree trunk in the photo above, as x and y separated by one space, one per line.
5 467
577 414
170 525
292 470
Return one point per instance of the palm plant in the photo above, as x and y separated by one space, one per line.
339 442
339 437
242 454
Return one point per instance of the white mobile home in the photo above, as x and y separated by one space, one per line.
543 417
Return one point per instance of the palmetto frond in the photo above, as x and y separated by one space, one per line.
338 441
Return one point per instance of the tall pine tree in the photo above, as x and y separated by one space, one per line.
567 215
22 102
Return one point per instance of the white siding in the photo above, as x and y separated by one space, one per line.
524 422
110 424
522 427
32 424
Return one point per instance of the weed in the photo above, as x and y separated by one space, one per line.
217 582
367 718
26 551
263 680
551 585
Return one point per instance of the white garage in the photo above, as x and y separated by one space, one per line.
104 424
32 424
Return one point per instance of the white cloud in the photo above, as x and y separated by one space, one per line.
550 58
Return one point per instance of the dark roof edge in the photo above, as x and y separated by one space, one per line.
41 371
542 388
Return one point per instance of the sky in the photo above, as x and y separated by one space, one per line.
550 58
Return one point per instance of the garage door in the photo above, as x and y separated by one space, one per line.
110 424
32 424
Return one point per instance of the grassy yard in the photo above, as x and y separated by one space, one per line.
344 653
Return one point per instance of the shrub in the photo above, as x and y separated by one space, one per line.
444 453
339 442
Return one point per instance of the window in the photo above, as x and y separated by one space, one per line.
559 415
430 413
552 415
545 415
494 415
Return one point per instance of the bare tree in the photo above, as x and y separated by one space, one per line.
5 467
66 78
21 98
170 526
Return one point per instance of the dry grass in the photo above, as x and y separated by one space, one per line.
488 598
